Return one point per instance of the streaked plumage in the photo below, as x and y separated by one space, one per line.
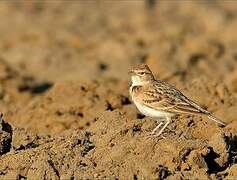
159 99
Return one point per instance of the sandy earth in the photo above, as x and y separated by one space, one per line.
64 89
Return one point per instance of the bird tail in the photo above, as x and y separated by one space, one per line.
213 118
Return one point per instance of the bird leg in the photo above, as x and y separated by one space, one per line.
163 128
157 127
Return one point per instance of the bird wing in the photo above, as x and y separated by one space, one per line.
165 97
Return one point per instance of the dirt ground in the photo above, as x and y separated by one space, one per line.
64 89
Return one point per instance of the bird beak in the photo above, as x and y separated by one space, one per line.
131 72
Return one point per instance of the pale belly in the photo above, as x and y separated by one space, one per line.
151 112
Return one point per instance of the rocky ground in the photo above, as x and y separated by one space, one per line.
64 89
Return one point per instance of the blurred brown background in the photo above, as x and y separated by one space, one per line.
64 88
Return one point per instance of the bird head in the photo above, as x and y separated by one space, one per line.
141 74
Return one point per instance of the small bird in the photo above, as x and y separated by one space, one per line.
158 99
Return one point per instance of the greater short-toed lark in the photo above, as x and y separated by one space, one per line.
158 99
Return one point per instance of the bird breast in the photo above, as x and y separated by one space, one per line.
147 111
